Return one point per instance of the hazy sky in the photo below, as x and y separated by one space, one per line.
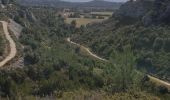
91 0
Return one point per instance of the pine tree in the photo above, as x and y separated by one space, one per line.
123 72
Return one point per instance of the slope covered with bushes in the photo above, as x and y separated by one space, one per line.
2 41
144 28
54 68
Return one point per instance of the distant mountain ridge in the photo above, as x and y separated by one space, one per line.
59 3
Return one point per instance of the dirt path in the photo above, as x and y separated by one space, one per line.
12 45
154 79
87 49
160 82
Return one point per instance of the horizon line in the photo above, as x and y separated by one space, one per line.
93 0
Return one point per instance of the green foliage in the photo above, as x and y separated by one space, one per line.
150 44
73 23
2 41
123 73
52 66
124 69
1 46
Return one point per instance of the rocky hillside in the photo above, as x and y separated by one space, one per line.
5 2
135 9
9 9
147 11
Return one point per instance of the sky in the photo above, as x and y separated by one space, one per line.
91 0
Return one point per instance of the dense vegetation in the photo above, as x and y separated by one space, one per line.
51 64
2 41
53 67
5 2
150 43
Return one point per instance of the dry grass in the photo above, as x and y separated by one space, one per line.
83 21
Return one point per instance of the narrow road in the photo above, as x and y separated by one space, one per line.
87 49
164 83
159 81
12 45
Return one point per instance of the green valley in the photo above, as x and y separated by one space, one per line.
123 57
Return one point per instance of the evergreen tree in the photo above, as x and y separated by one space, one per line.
123 73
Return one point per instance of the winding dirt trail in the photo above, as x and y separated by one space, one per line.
12 45
88 50
154 79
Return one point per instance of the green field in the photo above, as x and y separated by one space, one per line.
102 13
83 21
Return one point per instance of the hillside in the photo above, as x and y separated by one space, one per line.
147 11
5 2
145 29
2 43
50 66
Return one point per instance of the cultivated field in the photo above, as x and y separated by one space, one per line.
83 21
102 13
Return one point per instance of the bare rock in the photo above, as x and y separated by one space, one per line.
15 28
